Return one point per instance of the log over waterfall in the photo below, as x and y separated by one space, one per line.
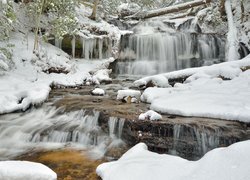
167 10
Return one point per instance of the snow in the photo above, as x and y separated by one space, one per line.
232 39
126 9
102 76
19 170
151 115
26 84
204 92
219 164
128 92
98 92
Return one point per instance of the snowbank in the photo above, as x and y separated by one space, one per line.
28 83
204 92
19 170
219 164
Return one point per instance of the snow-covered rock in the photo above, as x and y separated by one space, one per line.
157 80
218 91
98 92
128 92
102 75
150 115
20 170
219 164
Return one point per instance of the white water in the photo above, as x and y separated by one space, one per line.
115 127
49 128
151 52
205 140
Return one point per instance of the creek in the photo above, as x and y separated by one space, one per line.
103 127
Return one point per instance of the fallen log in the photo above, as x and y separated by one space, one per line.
167 10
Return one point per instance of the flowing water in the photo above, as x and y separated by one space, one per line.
155 48
48 127
150 50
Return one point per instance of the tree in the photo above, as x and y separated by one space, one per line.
60 15
7 18
93 15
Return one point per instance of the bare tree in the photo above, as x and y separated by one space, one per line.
93 15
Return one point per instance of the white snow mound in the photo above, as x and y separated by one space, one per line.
151 115
98 92
20 170
128 92
219 164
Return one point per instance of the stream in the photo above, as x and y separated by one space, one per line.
73 131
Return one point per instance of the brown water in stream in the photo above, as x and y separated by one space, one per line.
67 163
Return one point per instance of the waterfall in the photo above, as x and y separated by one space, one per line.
112 125
176 137
206 141
201 140
49 127
116 127
158 52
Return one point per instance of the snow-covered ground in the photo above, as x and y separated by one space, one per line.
19 170
219 164
203 93
27 84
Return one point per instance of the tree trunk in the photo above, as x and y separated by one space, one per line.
167 10
93 15
38 18
232 38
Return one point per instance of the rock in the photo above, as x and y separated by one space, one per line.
150 115
98 92
122 94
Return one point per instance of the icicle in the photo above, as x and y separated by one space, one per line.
73 45
87 44
58 43
83 47
100 46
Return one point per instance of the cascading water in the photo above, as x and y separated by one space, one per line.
116 127
50 128
156 50
203 139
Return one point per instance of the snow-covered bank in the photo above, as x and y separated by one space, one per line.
219 164
28 84
204 93
19 170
